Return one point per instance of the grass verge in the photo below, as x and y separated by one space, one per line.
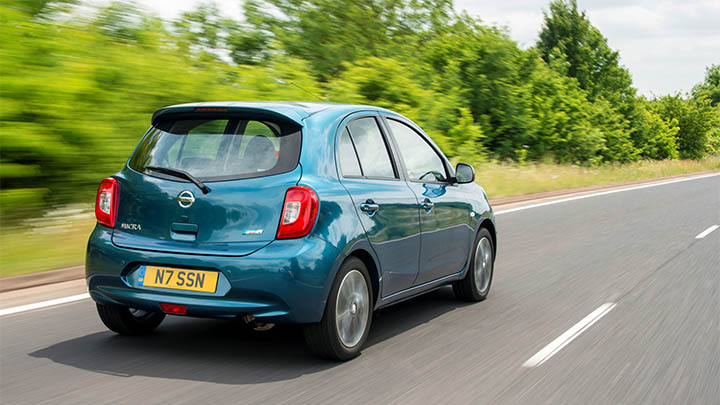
58 239
506 180
54 241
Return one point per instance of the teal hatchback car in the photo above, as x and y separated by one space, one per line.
285 212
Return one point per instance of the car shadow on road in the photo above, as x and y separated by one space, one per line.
226 352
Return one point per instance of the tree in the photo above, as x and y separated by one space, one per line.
330 32
248 46
40 8
695 119
569 43
488 70
655 137
120 21
710 87
466 137
201 29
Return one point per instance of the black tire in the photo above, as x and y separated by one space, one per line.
467 289
121 319
323 338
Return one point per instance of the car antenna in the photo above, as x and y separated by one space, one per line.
281 81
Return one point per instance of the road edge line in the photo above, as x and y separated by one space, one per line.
43 304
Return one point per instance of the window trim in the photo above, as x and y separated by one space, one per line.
443 159
385 137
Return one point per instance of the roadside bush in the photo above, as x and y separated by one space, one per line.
695 120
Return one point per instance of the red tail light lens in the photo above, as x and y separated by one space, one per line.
173 309
299 213
106 202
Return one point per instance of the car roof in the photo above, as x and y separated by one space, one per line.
294 110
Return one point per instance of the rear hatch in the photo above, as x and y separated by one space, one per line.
245 162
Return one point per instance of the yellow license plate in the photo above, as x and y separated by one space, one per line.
178 279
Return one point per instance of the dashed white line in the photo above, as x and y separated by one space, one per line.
580 197
707 232
563 340
43 304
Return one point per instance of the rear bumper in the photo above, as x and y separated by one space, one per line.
287 281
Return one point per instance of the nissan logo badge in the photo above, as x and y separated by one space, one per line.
186 199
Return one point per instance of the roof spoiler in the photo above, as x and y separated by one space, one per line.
211 112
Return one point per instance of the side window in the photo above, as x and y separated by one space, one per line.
258 128
371 148
421 160
349 165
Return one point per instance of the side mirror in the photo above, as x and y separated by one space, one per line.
464 173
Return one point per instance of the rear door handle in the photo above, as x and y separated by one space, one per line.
369 207
427 205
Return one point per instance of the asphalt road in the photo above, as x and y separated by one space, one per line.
556 264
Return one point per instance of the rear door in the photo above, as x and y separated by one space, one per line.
444 210
247 163
387 208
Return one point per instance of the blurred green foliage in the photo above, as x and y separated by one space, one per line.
710 87
79 84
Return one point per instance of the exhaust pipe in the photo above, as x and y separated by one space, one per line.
257 326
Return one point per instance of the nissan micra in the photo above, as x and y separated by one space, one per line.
284 212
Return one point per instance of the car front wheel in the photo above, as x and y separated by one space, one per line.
476 284
342 332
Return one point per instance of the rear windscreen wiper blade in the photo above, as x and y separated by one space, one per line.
182 174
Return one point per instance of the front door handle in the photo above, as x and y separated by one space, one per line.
369 207
427 205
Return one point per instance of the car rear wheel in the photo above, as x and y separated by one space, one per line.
129 321
476 284
342 332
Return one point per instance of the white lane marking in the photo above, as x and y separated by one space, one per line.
43 304
556 345
707 232
580 197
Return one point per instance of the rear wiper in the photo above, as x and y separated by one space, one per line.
182 174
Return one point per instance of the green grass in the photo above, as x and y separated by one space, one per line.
58 239
506 179
46 243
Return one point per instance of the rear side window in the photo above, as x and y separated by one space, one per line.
220 149
349 165
371 148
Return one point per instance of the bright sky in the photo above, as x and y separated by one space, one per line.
666 44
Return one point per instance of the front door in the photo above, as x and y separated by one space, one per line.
444 210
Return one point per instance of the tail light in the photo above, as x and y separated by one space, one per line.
173 309
106 203
299 213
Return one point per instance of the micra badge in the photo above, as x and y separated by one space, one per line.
253 232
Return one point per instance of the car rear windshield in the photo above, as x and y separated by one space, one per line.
219 149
